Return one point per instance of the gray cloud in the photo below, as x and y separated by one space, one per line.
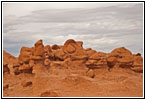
102 28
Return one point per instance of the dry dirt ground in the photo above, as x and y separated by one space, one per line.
74 83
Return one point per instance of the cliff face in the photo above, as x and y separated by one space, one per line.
67 60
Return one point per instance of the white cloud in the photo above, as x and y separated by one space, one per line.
22 9
100 26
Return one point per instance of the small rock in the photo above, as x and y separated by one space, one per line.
5 68
90 73
49 94
26 83
12 70
6 86
46 62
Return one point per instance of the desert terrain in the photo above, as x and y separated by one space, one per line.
70 70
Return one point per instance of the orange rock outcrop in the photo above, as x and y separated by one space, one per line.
46 60
73 50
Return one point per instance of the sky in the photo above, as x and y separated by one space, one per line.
101 26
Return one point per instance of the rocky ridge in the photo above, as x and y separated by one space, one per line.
72 55
69 60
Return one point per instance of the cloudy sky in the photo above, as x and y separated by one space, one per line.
101 26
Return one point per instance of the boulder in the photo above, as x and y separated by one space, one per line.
70 46
122 56
55 47
97 60
38 50
59 55
38 43
74 50
24 55
138 61
90 73
11 69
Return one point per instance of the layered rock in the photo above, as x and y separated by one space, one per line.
90 52
25 68
59 55
10 63
38 50
74 50
70 55
121 56
138 63
70 46
25 54
91 73
97 60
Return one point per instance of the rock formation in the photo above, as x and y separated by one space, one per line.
70 54
65 59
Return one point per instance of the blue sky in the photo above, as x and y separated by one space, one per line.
101 26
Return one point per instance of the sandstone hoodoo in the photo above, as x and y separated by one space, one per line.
45 64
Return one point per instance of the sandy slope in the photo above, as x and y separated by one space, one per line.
69 83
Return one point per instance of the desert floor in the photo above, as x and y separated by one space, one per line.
74 83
